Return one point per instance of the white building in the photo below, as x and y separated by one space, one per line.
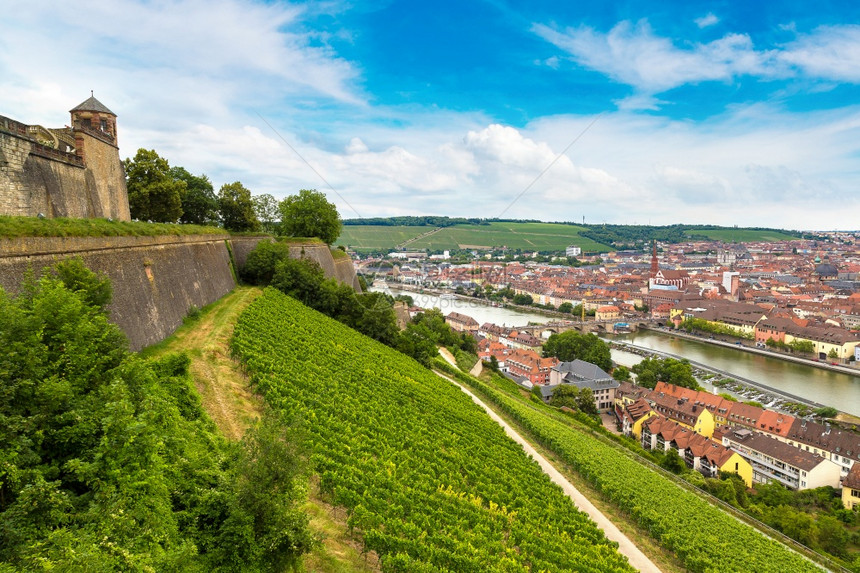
573 251
776 461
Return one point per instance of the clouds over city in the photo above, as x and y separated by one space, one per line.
286 96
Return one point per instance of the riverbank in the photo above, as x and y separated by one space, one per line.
843 369
750 390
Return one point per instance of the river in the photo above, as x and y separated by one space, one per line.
842 391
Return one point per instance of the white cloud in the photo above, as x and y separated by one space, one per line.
708 19
829 52
199 72
632 54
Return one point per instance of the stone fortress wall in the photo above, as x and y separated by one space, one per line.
67 172
76 172
156 280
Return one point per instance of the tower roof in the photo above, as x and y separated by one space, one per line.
92 104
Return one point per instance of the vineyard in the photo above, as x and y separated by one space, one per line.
702 536
429 481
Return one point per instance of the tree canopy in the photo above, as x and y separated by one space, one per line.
267 211
199 203
109 463
309 214
573 345
237 208
153 193
669 370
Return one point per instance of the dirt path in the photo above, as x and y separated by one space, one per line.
223 389
626 547
227 399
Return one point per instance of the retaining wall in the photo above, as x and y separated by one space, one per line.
156 280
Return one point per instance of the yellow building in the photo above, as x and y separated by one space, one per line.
851 488
685 412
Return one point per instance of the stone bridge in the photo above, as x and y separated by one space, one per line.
611 326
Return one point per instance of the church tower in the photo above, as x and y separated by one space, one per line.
655 266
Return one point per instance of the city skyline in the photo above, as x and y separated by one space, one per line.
634 112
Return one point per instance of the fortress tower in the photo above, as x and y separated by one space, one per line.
64 172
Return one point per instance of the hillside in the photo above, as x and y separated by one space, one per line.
704 537
513 235
439 235
429 481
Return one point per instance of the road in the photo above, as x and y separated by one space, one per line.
626 547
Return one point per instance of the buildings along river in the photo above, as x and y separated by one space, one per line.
842 391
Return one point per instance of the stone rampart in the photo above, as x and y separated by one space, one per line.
37 179
156 280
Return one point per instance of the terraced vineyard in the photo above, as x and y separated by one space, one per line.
525 236
377 238
429 481
703 537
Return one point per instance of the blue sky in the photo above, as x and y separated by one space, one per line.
645 112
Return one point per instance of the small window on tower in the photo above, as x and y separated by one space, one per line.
104 125
86 123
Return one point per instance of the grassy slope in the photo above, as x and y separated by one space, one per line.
369 237
228 400
743 235
527 236
560 458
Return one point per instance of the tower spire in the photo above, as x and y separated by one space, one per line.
654 264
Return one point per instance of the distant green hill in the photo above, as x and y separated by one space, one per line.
442 233
514 235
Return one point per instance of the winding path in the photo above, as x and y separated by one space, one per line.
626 547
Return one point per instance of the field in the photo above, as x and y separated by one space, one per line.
429 481
525 236
373 238
701 535
743 235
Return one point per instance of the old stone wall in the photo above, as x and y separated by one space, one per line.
155 280
108 184
36 179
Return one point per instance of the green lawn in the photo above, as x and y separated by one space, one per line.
527 236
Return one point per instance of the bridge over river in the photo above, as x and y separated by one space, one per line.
612 326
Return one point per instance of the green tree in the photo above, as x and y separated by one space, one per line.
299 278
668 370
309 214
573 345
832 535
565 395
260 264
153 194
266 209
108 462
672 462
833 355
585 402
199 203
806 346
566 307
523 299
236 208
95 290
621 373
